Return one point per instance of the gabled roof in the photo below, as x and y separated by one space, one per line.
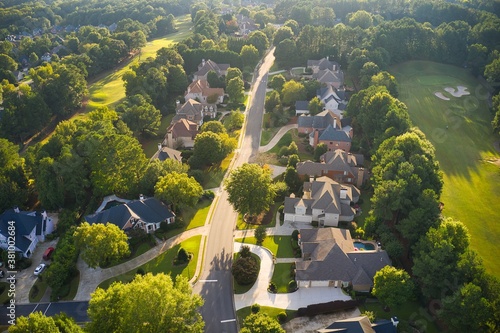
329 76
203 88
319 121
183 128
209 65
301 105
332 134
327 93
351 325
323 64
25 222
166 152
149 210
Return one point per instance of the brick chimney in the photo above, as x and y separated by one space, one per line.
316 137
361 176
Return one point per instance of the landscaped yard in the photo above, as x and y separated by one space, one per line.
239 289
408 312
272 312
268 220
164 263
282 276
212 177
150 144
460 129
37 291
290 136
280 246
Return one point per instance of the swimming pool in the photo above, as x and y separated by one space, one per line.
364 246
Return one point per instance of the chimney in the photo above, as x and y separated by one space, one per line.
202 62
361 177
395 321
343 193
328 58
44 215
16 209
316 137
141 197
159 146
335 123
311 179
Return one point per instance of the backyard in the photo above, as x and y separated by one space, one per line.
460 129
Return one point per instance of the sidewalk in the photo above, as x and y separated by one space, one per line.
90 278
258 294
277 137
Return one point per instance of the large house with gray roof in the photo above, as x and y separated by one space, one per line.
341 166
362 324
330 259
145 213
207 66
194 111
327 72
324 201
333 99
30 228
327 127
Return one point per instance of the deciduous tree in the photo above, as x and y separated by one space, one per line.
292 91
178 189
393 286
235 90
262 323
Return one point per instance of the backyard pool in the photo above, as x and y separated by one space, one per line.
364 246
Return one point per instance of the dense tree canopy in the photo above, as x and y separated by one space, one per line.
393 286
178 189
261 323
13 178
37 322
150 304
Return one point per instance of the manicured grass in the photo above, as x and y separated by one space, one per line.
164 263
239 289
193 217
110 90
408 312
284 141
365 207
272 312
73 288
42 287
281 276
267 135
471 183
212 177
4 296
268 220
280 246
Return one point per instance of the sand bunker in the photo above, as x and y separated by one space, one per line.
440 95
459 92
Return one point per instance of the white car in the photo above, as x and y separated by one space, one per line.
39 269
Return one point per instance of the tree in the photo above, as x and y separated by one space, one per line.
496 111
259 40
100 244
157 169
292 91
234 120
7 63
272 102
235 90
387 80
368 70
178 189
292 179
245 270
281 34
315 106
37 322
249 56
214 126
293 160
13 178
139 115
211 148
261 323
319 151
150 303
286 53
214 80
361 19
393 286
233 72
492 71
277 82
250 189
260 234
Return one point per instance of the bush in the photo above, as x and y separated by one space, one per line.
295 235
283 152
282 316
24 263
292 285
272 287
245 252
245 270
370 315
208 194
255 308
260 234
140 271
314 223
182 256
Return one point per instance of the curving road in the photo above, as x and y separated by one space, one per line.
215 281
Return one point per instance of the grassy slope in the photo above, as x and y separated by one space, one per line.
471 183
110 90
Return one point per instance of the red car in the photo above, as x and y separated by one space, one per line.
48 253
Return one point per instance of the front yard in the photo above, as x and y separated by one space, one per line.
280 246
282 275
272 312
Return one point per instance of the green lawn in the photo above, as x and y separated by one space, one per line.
268 220
37 291
150 144
280 246
164 263
471 183
212 176
110 90
281 276
272 312
409 311
4 295
73 288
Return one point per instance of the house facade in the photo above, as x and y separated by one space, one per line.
200 90
181 134
207 66
324 201
194 111
30 228
330 259
145 213
327 127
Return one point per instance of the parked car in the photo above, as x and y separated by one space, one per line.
39 269
48 253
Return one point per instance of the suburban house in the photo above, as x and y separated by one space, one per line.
341 166
194 111
181 134
145 213
165 152
333 99
301 107
327 127
325 201
327 72
362 325
331 259
245 25
207 66
200 90
30 228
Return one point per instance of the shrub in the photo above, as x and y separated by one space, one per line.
272 287
370 315
208 194
140 271
283 151
295 235
292 285
260 234
245 270
255 308
245 252
282 316
182 256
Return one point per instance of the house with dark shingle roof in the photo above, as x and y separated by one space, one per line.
207 66
29 229
194 111
165 152
327 127
324 201
200 90
333 99
330 259
301 107
341 166
145 213
362 324
181 134
327 72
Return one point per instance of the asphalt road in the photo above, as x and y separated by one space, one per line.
215 284
76 310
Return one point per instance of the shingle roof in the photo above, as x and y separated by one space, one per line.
210 65
149 210
25 222
183 128
301 105
329 76
166 152
331 134
351 325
